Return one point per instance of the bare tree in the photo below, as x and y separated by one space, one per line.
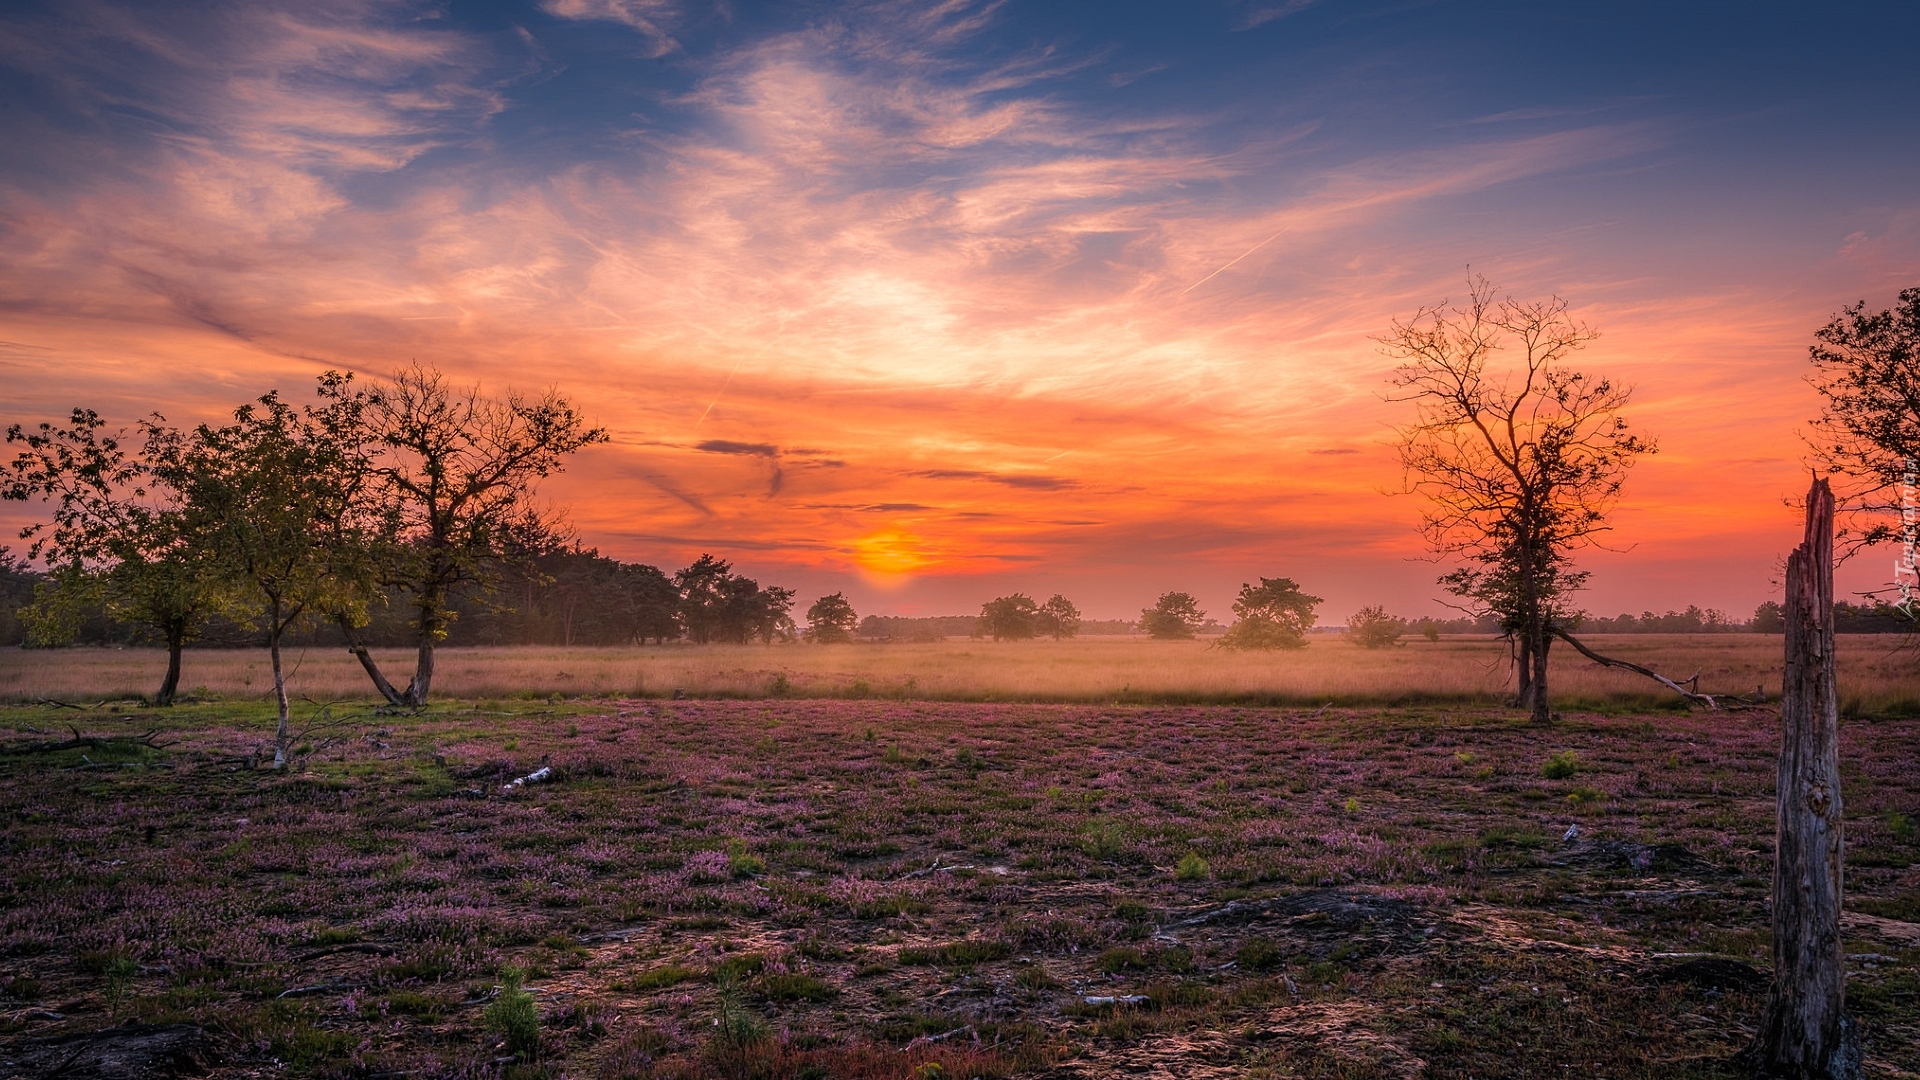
1520 461
456 474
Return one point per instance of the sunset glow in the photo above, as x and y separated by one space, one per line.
930 302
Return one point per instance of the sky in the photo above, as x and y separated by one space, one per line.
932 302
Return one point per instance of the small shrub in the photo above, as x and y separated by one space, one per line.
1259 954
660 978
1036 977
1583 795
958 953
1102 840
1561 765
514 1015
1373 628
1191 867
1900 825
794 986
741 863
735 1025
739 966
1121 958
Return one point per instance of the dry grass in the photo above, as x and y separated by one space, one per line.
1876 675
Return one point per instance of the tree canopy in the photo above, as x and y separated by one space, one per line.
1009 618
1175 616
832 620
1274 614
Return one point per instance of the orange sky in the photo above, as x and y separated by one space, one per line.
866 304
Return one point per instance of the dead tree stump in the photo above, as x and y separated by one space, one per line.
1804 1033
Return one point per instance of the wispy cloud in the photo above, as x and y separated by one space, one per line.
653 19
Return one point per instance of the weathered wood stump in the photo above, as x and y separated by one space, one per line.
1804 1032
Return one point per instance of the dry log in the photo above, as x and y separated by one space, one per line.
1804 1032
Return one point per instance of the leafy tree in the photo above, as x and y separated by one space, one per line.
1768 618
717 605
1009 618
17 583
1058 618
455 475
1176 616
276 500
1272 615
651 601
1373 628
120 537
1520 465
1868 433
831 620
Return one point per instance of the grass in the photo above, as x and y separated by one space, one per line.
1874 676
1372 892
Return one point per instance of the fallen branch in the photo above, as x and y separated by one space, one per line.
1717 702
538 776
93 742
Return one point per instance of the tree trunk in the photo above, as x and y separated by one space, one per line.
1804 1032
170 686
1541 712
1523 664
431 626
360 653
275 629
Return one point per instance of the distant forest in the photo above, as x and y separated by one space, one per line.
580 597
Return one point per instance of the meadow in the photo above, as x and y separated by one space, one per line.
1877 673
916 889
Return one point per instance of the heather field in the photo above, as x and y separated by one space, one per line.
1877 673
914 889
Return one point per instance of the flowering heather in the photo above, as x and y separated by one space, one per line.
820 888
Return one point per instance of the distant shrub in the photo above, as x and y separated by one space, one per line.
1561 765
1583 795
1373 628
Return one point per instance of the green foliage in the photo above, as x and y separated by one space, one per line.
1191 867
1561 765
1102 840
735 1025
1272 615
1058 618
1009 618
831 620
515 1016
660 978
718 605
1373 628
1176 616
1260 954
